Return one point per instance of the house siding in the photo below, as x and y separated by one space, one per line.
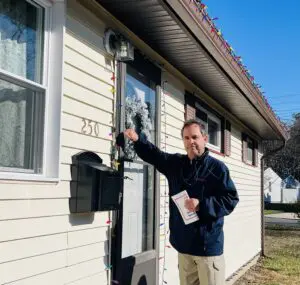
242 228
172 118
88 99
41 242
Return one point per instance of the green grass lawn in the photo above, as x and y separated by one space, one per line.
283 251
269 212
281 266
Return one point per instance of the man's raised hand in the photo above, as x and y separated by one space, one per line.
131 134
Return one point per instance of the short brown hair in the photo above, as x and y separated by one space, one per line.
192 122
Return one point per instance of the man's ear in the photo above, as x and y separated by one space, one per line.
205 138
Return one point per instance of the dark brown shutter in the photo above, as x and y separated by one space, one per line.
244 148
190 112
227 138
255 154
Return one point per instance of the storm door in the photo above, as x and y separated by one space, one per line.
136 249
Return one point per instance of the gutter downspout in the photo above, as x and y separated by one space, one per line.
262 162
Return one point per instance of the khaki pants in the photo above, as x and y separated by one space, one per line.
203 270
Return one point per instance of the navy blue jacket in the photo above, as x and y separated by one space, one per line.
204 178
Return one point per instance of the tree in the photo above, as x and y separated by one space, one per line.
286 161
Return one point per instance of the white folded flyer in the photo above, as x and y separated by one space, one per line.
187 216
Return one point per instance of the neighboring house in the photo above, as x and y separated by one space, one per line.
272 186
290 190
62 92
277 190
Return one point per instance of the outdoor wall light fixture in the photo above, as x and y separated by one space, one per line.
118 46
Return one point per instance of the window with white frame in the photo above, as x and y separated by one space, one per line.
212 126
25 100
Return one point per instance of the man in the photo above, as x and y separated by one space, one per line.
212 196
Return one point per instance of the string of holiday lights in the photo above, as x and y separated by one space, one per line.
201 9
163 208
114 163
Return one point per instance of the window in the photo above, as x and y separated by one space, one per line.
212 125
25 84
21 125
217 127
250 150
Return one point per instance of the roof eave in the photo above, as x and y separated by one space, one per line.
179 38
190 15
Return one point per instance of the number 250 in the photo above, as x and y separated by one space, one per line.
90 127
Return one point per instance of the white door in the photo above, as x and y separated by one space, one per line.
133 209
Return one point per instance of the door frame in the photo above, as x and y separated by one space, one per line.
147 68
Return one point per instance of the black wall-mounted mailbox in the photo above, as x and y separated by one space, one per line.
94 186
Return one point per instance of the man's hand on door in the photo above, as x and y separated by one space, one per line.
131 134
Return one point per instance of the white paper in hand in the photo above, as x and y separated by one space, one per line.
187 216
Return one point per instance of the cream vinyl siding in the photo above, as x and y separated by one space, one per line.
88 97
40 241
243 227
172 118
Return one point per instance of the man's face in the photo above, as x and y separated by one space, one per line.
194 141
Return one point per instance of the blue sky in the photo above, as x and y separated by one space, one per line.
266 34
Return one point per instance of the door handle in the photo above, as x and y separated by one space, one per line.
127 177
